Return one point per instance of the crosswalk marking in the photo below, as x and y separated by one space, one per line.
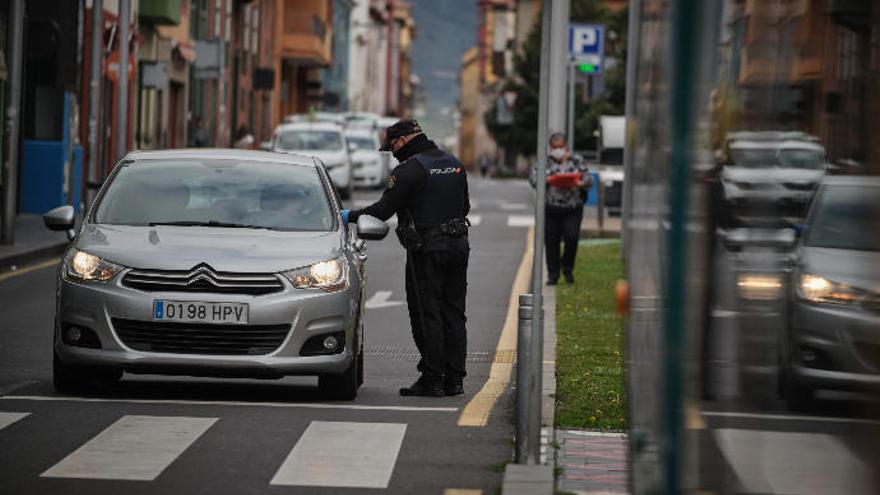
513 206
7 418
520 221
790 463
343 454
132 448
475 219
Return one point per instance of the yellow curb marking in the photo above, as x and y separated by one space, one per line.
461 491
28 269
476 413
694 417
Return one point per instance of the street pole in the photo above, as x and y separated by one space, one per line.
534 451
97 64
632 66
551 116
523 387
569 130
122 97
13 104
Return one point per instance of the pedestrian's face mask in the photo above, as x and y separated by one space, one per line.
557 153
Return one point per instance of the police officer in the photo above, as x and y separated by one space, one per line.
429 193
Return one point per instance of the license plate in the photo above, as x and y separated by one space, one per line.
200 312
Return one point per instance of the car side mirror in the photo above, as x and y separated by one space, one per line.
371 228
352 147
62 219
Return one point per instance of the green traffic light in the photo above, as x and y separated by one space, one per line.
587 68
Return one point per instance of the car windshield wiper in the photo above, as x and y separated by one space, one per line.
210 223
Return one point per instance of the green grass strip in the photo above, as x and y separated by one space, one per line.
590 377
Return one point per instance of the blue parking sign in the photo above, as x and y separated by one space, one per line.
586 44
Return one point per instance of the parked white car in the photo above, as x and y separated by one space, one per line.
370 164
325 141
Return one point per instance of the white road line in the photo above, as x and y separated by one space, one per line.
793 462
475 219
790 417
520 221
7 418
361 203
343 454
132 448
380 300
513 206
291 405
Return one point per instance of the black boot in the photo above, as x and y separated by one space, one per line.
569 277
453 386
428 387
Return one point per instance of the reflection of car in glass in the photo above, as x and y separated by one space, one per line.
833 340
324 140
770 177
212 263
370 164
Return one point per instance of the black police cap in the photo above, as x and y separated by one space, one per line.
401 128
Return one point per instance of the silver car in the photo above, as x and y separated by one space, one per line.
213 263
833 340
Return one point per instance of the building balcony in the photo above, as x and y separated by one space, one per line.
809 63
160 12
306 34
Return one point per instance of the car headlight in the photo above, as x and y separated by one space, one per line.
759 287
329 276
86 267
816 289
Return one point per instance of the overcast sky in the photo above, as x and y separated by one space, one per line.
445 29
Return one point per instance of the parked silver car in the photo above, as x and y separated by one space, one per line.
833 340
213 263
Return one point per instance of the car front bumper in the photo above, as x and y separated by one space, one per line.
844 342
309 313
368 175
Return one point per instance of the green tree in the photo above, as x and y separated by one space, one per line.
520 137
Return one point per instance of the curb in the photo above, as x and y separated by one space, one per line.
41 253
524 479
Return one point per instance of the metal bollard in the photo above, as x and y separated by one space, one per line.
523 343
535 368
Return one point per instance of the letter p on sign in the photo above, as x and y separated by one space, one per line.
586 44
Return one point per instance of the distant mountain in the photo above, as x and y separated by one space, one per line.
445 30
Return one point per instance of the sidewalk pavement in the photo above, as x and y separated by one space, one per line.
33 242
581 461
590 224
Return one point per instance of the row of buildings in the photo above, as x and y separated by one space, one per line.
809 65
503 26
198 71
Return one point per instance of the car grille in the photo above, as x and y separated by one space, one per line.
197 338
203 278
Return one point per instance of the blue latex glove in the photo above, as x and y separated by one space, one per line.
344 215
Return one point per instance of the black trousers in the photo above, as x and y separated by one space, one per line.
436 289
562 225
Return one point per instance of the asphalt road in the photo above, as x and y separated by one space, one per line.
179 435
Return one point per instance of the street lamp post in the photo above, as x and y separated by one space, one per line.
122 97
13 104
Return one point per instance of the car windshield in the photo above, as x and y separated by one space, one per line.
363 142
219 193
801 158
296 140
845 217
754 157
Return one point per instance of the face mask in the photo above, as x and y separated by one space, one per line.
557 153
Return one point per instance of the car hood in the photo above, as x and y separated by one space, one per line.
771 175
330 158
365 156
228 250
854 268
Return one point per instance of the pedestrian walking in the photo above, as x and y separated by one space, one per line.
429 193
568 183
